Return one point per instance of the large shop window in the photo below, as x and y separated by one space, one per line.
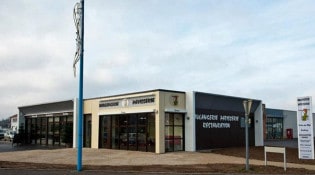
174 132
274 128
128 132
48 130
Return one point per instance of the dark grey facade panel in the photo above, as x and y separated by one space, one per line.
220 121
47 108
220 102
215 133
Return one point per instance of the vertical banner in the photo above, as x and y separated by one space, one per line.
305 128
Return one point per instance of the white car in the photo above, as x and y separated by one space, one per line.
9 135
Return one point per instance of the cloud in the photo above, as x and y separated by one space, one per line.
254 49
35 51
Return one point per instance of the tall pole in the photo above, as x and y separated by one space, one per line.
247 105
246 140
80 116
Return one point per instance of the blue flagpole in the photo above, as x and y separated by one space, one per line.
80 116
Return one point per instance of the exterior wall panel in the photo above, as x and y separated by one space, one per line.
190 129
219 121
289 122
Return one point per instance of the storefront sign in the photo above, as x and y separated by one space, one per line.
142 101
109 104
305 128
128 102
216 121
174 99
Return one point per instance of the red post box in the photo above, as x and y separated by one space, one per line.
289 133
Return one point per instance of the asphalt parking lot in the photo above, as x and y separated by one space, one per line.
5 146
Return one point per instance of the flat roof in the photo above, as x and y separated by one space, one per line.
228 96
44 108
140 92
44 103
280 109
222 102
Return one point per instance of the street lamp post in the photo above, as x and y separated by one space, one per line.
78 16
247 105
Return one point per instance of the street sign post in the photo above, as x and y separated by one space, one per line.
247 105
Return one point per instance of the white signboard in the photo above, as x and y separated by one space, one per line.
305 128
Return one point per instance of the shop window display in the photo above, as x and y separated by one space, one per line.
128 132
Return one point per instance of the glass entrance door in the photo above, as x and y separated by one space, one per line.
87 131
174 132
105 133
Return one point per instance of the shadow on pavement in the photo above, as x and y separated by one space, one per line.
6 146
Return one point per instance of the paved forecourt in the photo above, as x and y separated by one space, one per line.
121 157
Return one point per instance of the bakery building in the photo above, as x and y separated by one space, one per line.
152 121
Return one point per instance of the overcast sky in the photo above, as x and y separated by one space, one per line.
257 49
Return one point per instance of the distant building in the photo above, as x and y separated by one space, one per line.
5 123
14 122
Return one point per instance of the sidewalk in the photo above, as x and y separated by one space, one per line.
121 157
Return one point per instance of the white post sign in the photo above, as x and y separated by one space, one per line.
305 128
